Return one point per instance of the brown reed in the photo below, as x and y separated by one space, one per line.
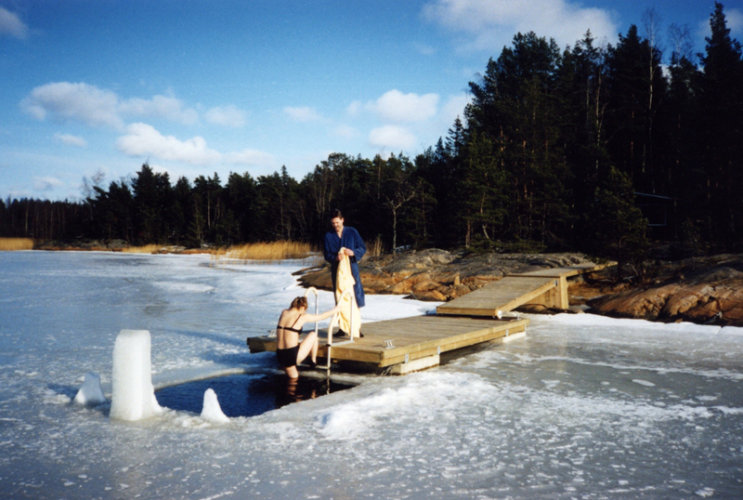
375 249
151 248
271 250
16 244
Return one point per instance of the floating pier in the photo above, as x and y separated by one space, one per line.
405 345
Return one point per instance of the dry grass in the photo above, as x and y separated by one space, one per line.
274 250
375 249
152 248
268 251
16 244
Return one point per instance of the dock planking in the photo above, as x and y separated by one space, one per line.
548 287
501 296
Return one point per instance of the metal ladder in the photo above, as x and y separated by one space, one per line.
333 322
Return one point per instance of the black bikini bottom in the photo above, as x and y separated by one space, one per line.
287 357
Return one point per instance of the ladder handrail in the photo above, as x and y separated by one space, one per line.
312 289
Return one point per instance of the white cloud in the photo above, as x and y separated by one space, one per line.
491 24
11 25
144 140
71 140
46 183
226 116
454 107
734 18
74 101
392 137
249 157
302 113
160 106
94 106
398 107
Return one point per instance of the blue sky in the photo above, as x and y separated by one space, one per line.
91 89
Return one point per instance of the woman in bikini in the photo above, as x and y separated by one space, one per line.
289 351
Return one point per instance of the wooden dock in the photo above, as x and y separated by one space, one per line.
404 345
547 287
409 344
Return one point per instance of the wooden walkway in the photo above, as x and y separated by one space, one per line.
548 287
405 345
409 344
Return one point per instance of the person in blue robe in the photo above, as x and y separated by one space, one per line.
350 241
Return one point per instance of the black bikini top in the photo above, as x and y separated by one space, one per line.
291 328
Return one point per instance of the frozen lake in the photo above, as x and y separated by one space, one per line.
582 407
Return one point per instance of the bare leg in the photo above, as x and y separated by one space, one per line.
291 389
307 346
315 345
292 372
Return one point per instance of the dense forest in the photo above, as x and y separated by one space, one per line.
599 149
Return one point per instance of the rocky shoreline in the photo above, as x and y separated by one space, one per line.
701 289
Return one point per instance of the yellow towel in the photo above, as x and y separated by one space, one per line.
349 318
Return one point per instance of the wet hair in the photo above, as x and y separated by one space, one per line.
336 213
298 303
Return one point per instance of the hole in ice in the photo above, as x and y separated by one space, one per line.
245 395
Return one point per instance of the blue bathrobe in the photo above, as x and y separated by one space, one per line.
349 239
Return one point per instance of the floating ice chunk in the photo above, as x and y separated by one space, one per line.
133 395
90 393
211 410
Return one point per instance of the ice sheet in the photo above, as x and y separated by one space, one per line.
582 406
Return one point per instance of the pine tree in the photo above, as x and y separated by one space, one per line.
678 146
152 201
636 86
483 192
517 108
582 91
241 200
721 132
619 230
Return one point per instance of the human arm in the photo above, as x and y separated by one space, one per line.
353 244
330 248
309 318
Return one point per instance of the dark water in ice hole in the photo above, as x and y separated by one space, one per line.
245 395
